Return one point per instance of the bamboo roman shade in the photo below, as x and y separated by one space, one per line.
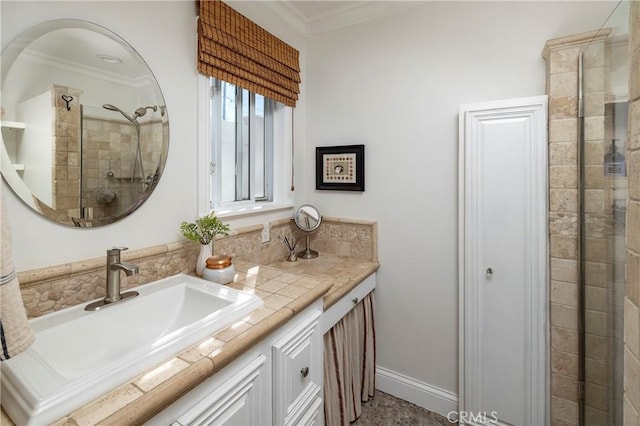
234 49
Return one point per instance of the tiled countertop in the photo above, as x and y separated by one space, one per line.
286 289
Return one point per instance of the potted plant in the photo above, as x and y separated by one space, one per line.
203 231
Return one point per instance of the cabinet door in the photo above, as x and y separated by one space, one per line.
503 259
297 373
234 402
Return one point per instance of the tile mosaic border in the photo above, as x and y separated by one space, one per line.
56 287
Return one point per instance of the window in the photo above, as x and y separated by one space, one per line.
245 150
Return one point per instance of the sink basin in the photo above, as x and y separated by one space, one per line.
79 355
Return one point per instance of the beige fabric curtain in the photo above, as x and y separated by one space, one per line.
235 49
350 364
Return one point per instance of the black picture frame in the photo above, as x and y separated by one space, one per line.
340 168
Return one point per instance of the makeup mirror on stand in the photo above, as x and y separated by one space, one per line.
308 219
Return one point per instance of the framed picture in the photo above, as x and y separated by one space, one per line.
340 167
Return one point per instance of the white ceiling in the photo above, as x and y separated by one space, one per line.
81 49
311 18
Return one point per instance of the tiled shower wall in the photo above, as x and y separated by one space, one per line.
66 144
632 299
56 287
108 158
66 150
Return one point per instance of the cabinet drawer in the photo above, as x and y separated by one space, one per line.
297 370
309 415
342 307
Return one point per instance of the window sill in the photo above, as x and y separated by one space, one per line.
232 211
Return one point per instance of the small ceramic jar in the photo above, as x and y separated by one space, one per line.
219 269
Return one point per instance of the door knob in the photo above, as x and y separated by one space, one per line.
489 272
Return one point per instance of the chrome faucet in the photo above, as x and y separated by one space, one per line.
114 266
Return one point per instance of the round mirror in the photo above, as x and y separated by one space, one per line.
307 218
85 130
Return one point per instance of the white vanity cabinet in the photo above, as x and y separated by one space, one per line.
297 374
278 381
234 402
237 395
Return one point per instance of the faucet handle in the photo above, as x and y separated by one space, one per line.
115 251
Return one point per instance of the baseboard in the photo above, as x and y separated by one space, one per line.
426 396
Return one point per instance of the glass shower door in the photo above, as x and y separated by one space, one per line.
603 195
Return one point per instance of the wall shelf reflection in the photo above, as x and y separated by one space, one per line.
13 125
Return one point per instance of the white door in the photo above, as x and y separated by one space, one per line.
503 262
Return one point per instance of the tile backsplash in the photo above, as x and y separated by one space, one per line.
57 287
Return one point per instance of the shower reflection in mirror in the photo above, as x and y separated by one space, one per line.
85 136
120 156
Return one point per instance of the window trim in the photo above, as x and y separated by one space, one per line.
239 190
281 154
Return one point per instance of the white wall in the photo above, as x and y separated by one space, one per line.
164 34
395 85
35 147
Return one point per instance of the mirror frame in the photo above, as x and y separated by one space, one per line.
9 55
297 219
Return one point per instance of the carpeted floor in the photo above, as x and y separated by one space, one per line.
386 410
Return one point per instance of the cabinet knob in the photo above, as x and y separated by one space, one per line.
355 300
304 371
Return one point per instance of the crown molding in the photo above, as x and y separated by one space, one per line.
82 69
290 16
350 13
